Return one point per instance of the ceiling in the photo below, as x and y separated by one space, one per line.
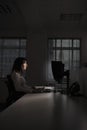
43 14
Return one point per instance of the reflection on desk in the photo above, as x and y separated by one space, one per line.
45 111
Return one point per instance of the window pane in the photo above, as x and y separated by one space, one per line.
58 43
51 42
66 43
76 43
11 43
22 52
76 55
66 50
23 43
76 64
67 56
53 55
10 49
58 55
8 58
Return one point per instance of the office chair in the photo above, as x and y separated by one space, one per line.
59 73
13 94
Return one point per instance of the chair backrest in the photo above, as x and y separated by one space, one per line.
10 85
57 70
13 94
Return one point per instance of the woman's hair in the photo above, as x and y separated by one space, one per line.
18 63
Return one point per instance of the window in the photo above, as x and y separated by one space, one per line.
9 50
65 50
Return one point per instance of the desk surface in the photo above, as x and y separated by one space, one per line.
45 111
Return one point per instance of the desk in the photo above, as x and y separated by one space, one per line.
45 111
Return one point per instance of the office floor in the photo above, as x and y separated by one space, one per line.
45 111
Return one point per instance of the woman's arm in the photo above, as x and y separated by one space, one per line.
20 83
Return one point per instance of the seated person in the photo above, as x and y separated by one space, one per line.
19 67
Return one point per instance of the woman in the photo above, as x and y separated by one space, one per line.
19 67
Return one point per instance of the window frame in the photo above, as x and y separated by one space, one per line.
9 47
65 48
50 77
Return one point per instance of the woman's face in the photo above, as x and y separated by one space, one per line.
24 65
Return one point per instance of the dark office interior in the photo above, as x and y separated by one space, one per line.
52 35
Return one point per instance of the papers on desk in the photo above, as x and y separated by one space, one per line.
43 88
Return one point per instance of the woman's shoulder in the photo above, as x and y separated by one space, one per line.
15 74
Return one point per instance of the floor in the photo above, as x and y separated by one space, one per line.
46 111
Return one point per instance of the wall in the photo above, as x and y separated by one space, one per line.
37 55
83 69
